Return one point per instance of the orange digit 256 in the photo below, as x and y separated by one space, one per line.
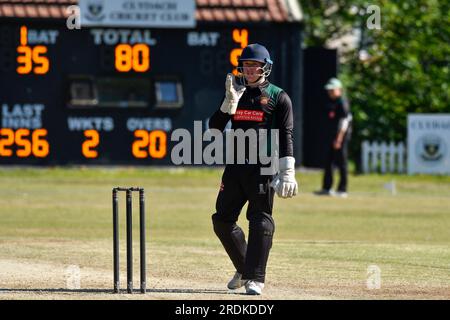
38 146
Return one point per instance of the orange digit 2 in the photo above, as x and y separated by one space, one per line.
92 141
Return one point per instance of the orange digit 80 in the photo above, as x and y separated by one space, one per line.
135 57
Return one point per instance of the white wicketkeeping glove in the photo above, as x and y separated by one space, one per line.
233 92
284 182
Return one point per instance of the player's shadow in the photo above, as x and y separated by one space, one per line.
122 291
53 290
213 291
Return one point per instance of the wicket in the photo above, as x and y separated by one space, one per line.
129 221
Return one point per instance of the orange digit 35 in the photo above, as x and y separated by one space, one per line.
27 56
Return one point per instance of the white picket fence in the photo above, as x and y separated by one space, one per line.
383 157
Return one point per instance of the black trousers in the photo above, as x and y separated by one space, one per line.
337 158
242 184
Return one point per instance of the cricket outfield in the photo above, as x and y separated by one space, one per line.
56 237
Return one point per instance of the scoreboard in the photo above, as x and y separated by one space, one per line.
114 95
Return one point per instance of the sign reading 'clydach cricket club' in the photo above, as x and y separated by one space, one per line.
149 13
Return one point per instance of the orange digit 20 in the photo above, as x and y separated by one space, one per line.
149 144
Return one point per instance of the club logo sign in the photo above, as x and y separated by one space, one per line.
95 10
431 149
429 143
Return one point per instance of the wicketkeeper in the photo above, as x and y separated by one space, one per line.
253 103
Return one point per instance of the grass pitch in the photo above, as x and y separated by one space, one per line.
54 221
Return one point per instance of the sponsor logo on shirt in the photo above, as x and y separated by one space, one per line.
249 115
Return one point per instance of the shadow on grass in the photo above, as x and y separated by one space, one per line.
123 291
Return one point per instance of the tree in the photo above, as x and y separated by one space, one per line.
326 20
405 68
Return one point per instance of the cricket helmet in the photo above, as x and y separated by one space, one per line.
259 53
